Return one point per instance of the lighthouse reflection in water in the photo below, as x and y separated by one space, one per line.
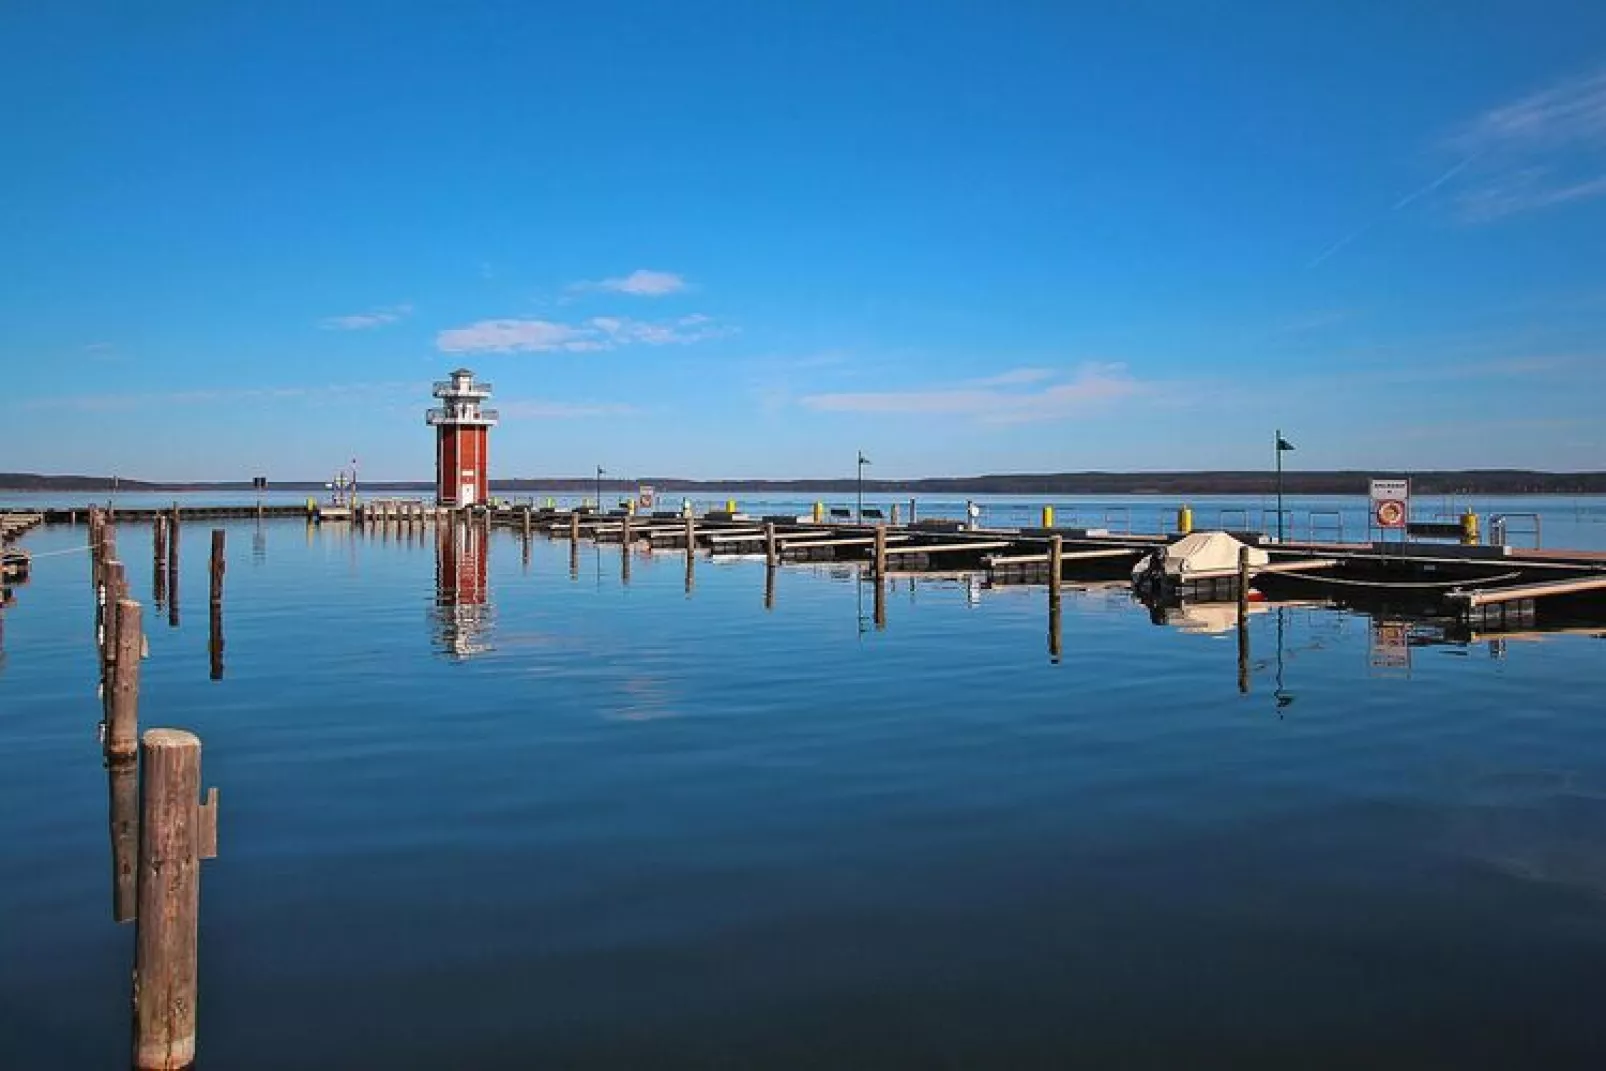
462 608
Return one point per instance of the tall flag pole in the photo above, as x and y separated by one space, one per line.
1282 444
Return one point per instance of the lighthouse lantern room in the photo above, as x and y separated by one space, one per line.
462 436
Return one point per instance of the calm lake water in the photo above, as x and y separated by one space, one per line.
480 811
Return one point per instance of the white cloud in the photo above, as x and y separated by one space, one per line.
1015 377
360 321
641 282
1092 385
597 333
507 336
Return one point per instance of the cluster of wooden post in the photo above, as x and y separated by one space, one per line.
160 830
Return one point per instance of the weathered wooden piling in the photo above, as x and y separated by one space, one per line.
214 642
168 907
880 602
527 521
122 806
1243 581
172 569
624 531
159 559
1054 628
1243 620
122 705
111 590
574 527
880 554
772 551
1056 565
691 537
218 565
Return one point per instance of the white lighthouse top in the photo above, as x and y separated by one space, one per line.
462 397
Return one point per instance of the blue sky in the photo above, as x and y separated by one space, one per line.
749 239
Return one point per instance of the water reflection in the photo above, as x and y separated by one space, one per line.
462 607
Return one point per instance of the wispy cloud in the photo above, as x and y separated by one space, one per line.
1015 377
641 282
1543 150
596 333
360 321
1570 113
1049 398
543 409
1524 191
1540 151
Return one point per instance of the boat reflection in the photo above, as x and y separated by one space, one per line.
462 595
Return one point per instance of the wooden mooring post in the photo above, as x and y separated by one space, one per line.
1055 633
1056 565
218 565
574 526
111 589
122 694
772 552
172 569
880 553
122 805
159 560
176 833
1243 620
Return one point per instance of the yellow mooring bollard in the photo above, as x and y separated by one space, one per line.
1048 516
730 506
1469 529
1185 520
819 513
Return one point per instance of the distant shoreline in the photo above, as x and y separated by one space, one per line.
1478 481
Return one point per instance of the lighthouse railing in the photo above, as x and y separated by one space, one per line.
445 387
443 416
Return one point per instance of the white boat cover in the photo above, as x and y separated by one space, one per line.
1207 552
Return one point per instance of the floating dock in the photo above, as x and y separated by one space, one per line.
1480 585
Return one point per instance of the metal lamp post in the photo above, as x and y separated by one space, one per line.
863 461
1282 445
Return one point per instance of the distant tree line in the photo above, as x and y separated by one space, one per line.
1472 482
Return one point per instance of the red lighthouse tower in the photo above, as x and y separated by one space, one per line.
462 439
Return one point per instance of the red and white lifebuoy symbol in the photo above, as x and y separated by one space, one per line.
1390 513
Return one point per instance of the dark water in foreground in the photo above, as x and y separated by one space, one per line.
566 821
